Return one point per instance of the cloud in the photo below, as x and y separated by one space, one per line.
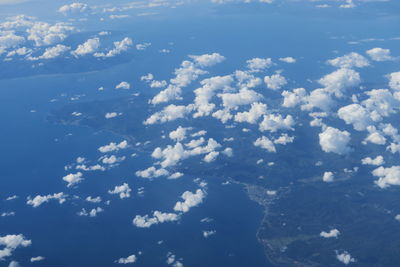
210 157
93 199
205 93
349 61
119 47
44 34
256 111
387 176
379 54
10 39
259 64
39 200
328 177
345 257
179 134
275 122
52 52
158 217
209 233
187 73
381 103
356 115
243 97
374 137
265 143
74 8
11 243
292 99
394 80
190 200
38 258
129 259
288 59
335 141
91 213
152 172
284 139
88 47
169 113
376 161
124 191
332 233
207 60
73 178
275 82
110 115
113 147
339 80
123 85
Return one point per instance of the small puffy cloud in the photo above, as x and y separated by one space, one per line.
275 122
345 257
288 59
91 213
284 139
124 191
210 157
328 177
381 103
275 82
119 47
370 161
123 85
318 98
52 52
113 147
332 233
10 39
259 64
152 172
394 80
374 137
335 141
243 97
209 233
265 143
228 152
349 61
11 243
39 200
169 113
88 47
387 176
256 111
190 200
73 8
379 54
111 159
110 115
356 115
73 178
179 134
14 264
38 258
175 175
129 259
339 80
158 217
93 199
207 60
292 99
